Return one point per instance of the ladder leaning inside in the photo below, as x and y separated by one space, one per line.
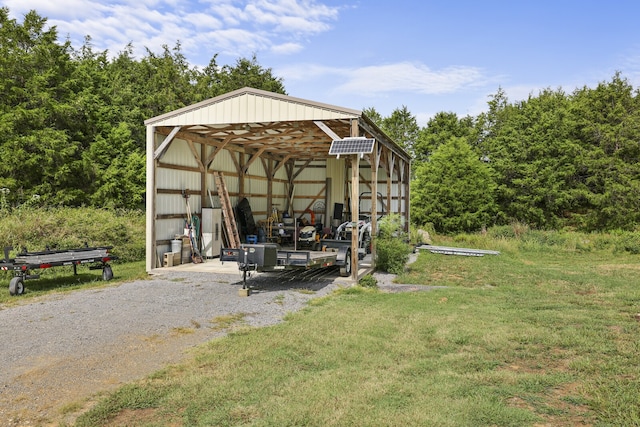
231 229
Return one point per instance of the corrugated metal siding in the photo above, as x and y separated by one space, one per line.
223 163
168 204
172 179
178 153
167 229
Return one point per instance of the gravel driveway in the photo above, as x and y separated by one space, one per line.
61 349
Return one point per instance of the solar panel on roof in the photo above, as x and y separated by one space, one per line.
351 146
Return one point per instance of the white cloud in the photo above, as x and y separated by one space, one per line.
376 80
230 27
227 12
310 71
287 48
294 16
203 21
236 41
406 76
67 9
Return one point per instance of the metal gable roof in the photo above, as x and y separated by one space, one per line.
259 122
249 105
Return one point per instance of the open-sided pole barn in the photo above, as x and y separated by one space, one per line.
273 150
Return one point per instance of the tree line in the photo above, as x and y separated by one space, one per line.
555 160
72 120
72 134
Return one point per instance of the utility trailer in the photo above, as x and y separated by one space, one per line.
266 257
97 258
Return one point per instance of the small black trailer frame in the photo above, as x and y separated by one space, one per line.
267 257
22 265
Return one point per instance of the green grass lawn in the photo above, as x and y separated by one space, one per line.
529 337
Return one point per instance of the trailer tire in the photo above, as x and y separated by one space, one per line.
345 271
16 286
107 273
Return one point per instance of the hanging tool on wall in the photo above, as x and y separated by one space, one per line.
195 253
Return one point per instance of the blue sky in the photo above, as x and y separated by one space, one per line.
429 56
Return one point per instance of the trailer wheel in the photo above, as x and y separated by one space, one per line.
345 271
16 286
107 273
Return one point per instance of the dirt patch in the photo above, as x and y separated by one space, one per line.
40 395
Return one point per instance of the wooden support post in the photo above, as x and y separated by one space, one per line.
355 214
152 164
203 177
375 162
355 209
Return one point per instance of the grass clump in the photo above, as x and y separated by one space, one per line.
368 281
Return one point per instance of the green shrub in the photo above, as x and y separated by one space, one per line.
368 281
392 255
392 246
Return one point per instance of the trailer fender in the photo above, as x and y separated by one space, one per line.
342 255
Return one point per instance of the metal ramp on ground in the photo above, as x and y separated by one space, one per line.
446 250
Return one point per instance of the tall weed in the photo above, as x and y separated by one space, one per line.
518 236
36 229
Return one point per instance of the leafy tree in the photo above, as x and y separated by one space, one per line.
166 81
454 190
38 114
439 129
402 127
245 73
608 127
532 149
374 115
72 121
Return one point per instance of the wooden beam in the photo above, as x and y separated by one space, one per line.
165 144
390 169
374 199
301 168
196 155
203 177
281 163
355 214
316 197
255 156
365 182
268 168
217 149
235 162
326 129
